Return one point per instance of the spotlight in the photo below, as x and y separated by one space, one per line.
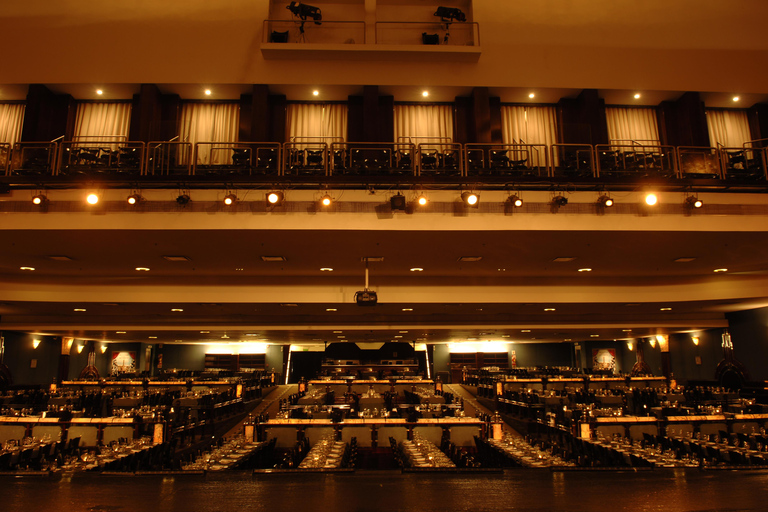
450 14
183 199
515 201
304 11
559 201
651 199
39 200
275 198
134 199
470 199
230 199
605 201
92 199
692 202
397 202
422 200
326 200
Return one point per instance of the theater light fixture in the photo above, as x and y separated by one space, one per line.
92 199
230 199
470 199
604 201
422 200
39 200
326 200
515 201
397 202
183 199
693 202
651 199
637 97
135 199
557 203
275 198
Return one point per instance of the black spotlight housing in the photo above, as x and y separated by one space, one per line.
559 201
693 202
39 200
275 198
230 199
515 201
183 199
470 199
450 14
135 199
604 201
304 11
397 202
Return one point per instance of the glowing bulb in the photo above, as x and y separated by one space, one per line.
736 98
695 340
35 343
637 96
630 346
315 93
425 93
326 200
92 199
99 92
207 92
651 199
422 201
531 95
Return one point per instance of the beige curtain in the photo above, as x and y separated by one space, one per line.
729 128
102 120
210 122
424 124
11 120
628 125
316 122
530 125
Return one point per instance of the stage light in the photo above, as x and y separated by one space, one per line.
515 201
326 200
422 200
275 198
651 199
39 200
397 202
92 199
450 14
605 201
134 199
230 199
304 11
692 202
183 199
470 199
559 201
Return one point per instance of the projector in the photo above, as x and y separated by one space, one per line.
366 298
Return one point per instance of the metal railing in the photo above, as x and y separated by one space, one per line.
506 160
572 161
373 158
236 158
5 157
699 162
169 158
437 33
33 159
744 163
635 160
311 32
305 159
101 156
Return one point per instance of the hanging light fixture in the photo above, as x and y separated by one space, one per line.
470 199
275 198
230 199
604 201
326 200
515 201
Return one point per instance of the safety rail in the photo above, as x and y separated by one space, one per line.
305 159
5 157
572 161
460 33
169 158
236 159
516 160
635 161
309 31
439 159
108 156
699 162
744 163
33 159
372 158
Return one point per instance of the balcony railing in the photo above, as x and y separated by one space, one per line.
428 33
324 32
507 160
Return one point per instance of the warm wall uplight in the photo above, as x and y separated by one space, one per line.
177 310
417 269
331 309
80 348
630 346
35 343
652 342
326 269
79 310
695 340
92 199
665 309
549 309
103 348
651 199
33 268
407 309
585 270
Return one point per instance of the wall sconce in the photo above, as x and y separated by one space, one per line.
103 349
35 343
630 346
695 340
80 348
652 341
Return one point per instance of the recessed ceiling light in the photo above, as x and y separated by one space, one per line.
407 309
176 258
26 268
716 270
626 330
331 309
225 337
425 93
684 260
239 269
403 332
531 95
204 332
273 258
567 339
470 258
99 92
92 199
207 92
651 199
337 332
501 270
505 335
178 310
637 96
289 305
251 334
119 332
315 93
142 269
563 259
417 269
665 309
79 309
526 330
594 335
549 309
341 337
326 269
585 270
152 337
398 336
736 98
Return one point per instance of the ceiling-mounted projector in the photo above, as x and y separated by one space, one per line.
366 298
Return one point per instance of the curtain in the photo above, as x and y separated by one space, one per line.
11 119
530 125
729 128
316 122
627 125
424 124
210 122
102 120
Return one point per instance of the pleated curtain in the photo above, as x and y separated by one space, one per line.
729 128
102 120
11 120
316 122
631 126
530 125
424 124
209 122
